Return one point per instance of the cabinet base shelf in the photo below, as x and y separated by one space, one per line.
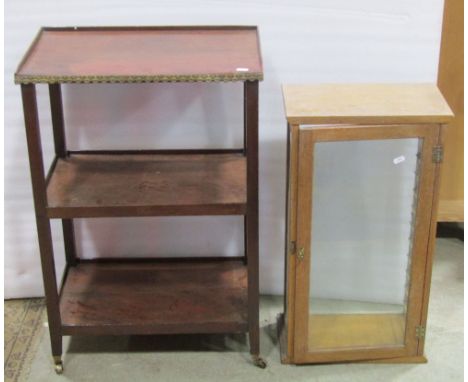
287 357
155 297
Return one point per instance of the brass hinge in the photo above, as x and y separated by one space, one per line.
300 254
292 247
437 154
293 250
420 331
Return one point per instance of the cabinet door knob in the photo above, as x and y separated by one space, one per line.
300 254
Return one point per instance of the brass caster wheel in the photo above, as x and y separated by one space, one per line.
259 362
59 368
58 365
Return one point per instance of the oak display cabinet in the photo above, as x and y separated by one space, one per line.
151 296
363 176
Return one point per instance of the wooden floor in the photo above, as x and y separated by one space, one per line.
329 331
155 297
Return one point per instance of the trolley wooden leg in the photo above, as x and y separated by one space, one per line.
252 247
69 241
50 286
60 143
28 93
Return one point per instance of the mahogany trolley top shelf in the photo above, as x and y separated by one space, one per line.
142 54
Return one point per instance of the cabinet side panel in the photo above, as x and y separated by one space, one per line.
303 228
291 206
431 242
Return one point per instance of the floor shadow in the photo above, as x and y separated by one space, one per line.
451 230
159 343
270 331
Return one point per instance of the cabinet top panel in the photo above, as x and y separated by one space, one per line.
142 54
365 103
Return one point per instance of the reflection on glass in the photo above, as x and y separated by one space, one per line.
363 199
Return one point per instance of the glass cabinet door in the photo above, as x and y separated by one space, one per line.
361 240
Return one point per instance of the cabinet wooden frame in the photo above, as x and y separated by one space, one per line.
294 324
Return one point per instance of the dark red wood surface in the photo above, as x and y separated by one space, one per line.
141 297
58 127
151 51
155 297
251 218
98 185
46 250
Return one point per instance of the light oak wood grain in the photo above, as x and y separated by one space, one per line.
291 216
365 103
450 82
424 297
450 210
338 331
